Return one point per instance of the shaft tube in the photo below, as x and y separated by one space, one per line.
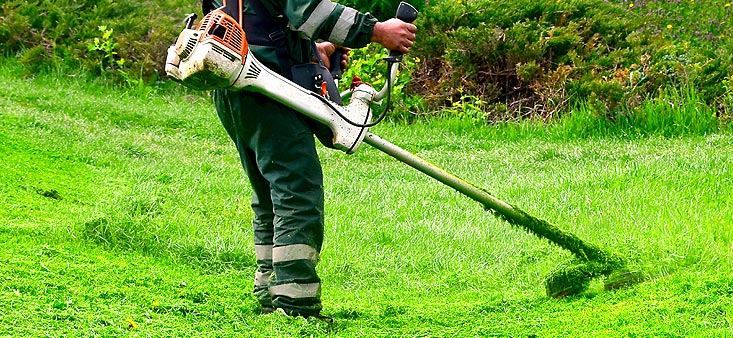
441 175
511 214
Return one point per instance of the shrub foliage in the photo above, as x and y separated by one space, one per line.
486 60
528 58
96 36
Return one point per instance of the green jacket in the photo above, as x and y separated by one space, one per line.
312 19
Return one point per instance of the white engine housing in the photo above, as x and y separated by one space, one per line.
215 55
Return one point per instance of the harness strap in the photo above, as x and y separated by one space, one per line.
265 28
231 7
234 8
207 6
269 28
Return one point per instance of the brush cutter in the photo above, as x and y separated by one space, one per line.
215 55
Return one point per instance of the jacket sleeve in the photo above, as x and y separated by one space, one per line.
326 20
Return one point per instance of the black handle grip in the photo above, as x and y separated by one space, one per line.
335 62
406 13
190 19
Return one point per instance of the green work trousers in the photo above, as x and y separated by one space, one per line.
277 150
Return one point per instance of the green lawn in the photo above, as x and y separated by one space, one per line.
127 215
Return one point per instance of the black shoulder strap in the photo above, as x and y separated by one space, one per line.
231 7
207 6
234 8
269 28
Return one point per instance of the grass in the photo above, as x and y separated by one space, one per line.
126 214
700 23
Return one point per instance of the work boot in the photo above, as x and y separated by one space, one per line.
265 300
295 313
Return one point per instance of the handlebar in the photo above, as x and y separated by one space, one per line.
335 62
406 13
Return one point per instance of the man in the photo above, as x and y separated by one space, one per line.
276 144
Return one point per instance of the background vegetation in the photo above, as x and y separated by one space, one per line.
501 60
480 60
126 41
124 210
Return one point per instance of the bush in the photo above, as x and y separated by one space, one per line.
538 59
522 56
134 40
485 60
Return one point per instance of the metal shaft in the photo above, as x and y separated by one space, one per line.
441 175
506 211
